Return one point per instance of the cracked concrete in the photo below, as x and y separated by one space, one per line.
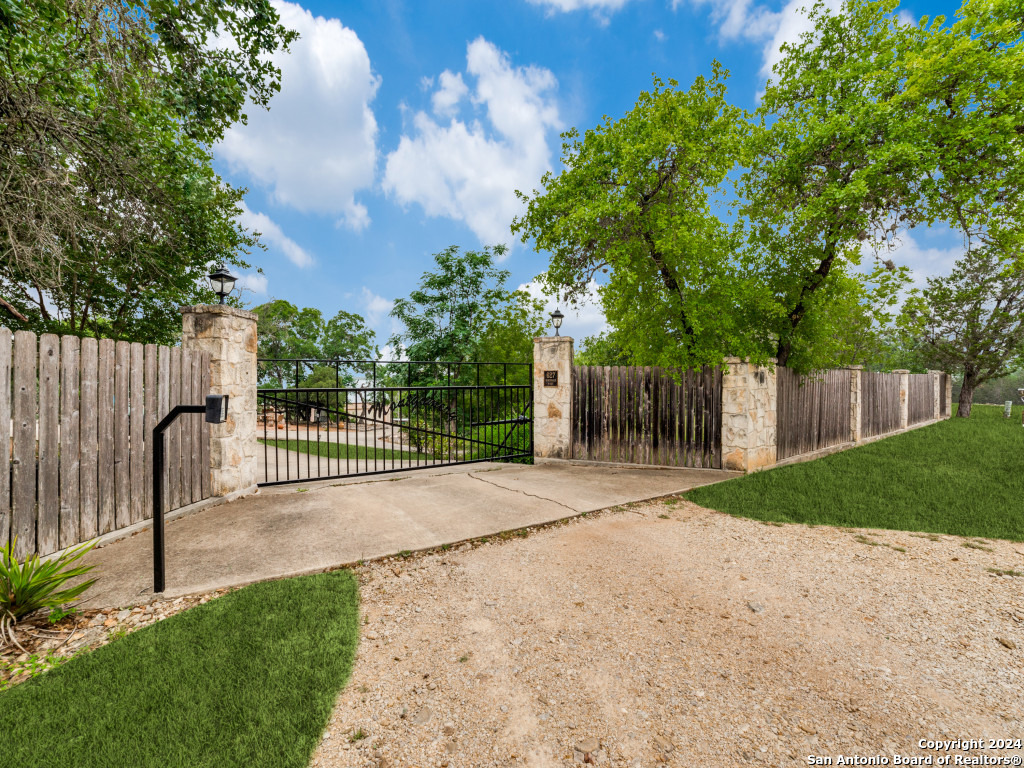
311 527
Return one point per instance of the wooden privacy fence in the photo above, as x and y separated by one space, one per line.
921 397
80 415
813 411
880 403
647 416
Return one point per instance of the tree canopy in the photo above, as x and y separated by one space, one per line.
462 311
287 332
712 232
110 212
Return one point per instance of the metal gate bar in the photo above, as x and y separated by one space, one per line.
335 432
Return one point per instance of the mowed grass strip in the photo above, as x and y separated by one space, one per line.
960 476
342 451
248 680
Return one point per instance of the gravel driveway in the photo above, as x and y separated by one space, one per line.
630 639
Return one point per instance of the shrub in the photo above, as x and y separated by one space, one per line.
34 584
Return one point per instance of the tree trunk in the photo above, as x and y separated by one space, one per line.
963 409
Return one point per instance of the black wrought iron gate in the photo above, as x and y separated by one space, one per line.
388 416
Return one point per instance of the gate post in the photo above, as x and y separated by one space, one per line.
229 335
749 427
552 397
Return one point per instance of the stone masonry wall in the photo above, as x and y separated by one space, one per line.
748 416
552 406
229 335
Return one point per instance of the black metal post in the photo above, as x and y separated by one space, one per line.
159 570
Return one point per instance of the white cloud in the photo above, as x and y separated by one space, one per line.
376 307
660 36
586 319
272 235
565 6
747 20
466 171
316 147
924 262
791 24
253 281
450 92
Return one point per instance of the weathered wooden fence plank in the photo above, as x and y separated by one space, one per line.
23 472
70 441
204 446
106 491
198 397
48 474
173 454
122 436
151 386
186 428
164 407
89 508
136 428
6 344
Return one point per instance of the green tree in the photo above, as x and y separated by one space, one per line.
835 161
109 209
288 333
636 201
973 321
602 349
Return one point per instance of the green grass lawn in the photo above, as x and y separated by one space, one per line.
343 451
962 476
246 680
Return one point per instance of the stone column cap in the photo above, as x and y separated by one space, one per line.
218 309
901 370
855 367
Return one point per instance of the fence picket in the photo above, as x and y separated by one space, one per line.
70 441
89 468
151 387
122 435
198 397
48 478
173 453
23 461
106 492
136 425
6 339
204 428
186 428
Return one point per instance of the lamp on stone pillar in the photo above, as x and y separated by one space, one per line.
556 320
222 282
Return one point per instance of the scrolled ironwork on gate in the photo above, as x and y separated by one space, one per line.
387 417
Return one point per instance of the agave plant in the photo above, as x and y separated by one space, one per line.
26 587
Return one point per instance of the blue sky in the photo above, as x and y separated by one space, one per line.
404 127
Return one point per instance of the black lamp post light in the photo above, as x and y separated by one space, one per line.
222 282
216 410
556 320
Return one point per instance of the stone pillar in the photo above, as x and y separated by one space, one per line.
552 397
855 402
749 398
936 385
229 336
904 397
948 394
